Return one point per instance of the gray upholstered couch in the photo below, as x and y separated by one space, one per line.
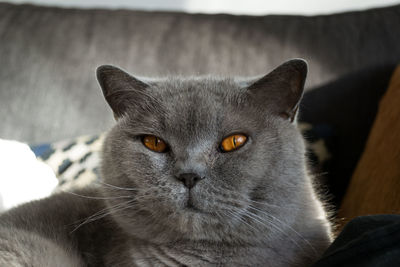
48 57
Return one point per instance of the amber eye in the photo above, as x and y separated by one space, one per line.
154 143
233 142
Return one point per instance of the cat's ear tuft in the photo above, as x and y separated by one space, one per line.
282 89
120 89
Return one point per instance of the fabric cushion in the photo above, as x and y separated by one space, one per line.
75 162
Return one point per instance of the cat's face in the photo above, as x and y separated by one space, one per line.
202 158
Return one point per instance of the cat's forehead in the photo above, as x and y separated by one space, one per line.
198 105
207 89
198 96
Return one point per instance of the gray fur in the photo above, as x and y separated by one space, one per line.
256 206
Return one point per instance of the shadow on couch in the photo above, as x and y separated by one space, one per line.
348 106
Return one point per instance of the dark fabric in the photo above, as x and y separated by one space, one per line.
48 90
368 241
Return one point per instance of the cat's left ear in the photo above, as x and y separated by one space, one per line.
282 89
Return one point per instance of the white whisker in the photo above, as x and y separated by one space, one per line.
102 213
290 228
117 187
94 197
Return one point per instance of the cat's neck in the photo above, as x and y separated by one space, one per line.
210 254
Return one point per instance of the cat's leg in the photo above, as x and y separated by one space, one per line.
20 248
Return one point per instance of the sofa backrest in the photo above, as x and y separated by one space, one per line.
48 56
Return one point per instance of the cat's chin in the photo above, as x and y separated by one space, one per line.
194 211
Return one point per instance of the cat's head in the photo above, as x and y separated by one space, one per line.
204 158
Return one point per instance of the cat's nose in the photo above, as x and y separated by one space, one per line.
189 179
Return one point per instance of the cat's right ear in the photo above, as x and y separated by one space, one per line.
282 89
120 89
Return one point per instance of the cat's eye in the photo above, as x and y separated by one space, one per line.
233 142
154 143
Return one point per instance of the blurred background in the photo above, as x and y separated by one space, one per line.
238 7
50 99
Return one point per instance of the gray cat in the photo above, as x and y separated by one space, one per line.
197 172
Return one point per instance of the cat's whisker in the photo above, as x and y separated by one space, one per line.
94 197
109 212
243 199
86 220
268 223
290 228
239 196
242 220
253 216
267 204
281 222
117 187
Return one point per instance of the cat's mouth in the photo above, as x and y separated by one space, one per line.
190 204
192 208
